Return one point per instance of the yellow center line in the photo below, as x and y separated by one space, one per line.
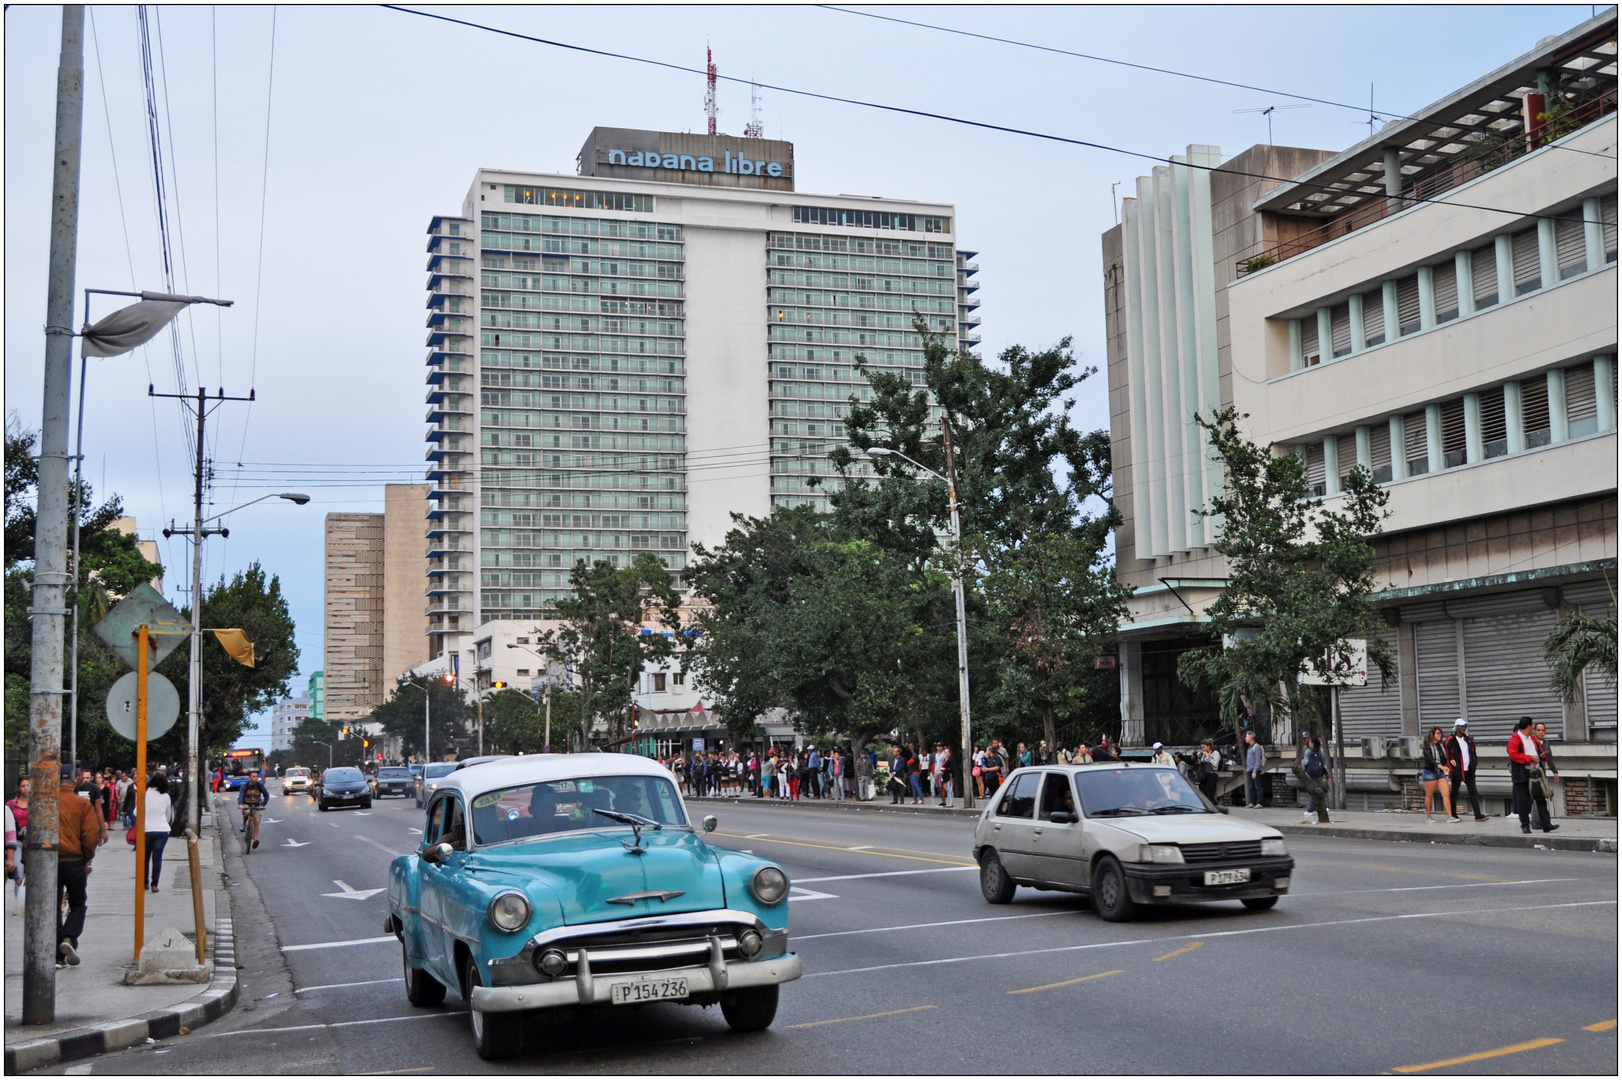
1478 877
1179 952
869 1016
837 847
1518 1048
1603 1025
1067 982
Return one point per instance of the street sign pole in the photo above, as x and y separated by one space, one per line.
142 642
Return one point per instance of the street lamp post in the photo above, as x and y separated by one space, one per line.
546 738
426 681
966 761
328 745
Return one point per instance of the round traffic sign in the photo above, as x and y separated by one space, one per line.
162 705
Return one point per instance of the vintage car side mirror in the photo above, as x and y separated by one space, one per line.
710 823
436 853
1061 817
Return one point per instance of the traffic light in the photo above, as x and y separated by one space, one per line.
498 685
366 744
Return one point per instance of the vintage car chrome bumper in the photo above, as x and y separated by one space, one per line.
587 989
1150 883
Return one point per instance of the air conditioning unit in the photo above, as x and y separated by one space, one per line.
1373 746
1412 746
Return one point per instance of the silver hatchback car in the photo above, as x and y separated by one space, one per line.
1124 835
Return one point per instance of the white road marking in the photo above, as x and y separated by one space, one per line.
885 873
797 893
929 925
363 813
334 824
341 986
341 1024
378 846
77 1070
1204 936
864 847
295 844
339 944
1427 888
352 893
417 831
758 836
271 821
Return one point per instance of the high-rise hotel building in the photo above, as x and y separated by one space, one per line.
621 359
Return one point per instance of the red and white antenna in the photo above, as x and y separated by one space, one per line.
754 129
709 92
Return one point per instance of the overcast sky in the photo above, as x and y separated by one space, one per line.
378 119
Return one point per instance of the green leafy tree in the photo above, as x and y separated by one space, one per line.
307 749
401 715
606 640
1578 643
1300 575
516 722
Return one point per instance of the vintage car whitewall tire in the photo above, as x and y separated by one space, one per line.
421 987
495 1035
1110 896
995 884
750 1010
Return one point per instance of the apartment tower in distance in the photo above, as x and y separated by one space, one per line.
619 360
374 622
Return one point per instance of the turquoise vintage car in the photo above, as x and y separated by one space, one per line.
562 880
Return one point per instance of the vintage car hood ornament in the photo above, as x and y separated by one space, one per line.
651 894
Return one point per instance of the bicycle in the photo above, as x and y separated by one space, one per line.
250 815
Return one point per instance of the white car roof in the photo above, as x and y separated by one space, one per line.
532 768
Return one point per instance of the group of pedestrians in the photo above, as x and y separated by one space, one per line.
919 776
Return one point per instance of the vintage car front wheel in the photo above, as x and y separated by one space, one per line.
495 1035
750 1010
421 987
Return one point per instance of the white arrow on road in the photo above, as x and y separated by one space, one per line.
350 893
417 831
272 820
363 813
295 844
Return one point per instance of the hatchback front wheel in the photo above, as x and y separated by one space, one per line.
1110 895
995 884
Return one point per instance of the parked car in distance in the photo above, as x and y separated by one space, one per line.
432 774
392 780
296 781
343 786
561 881
1124 834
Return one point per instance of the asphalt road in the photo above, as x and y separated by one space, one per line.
1386 957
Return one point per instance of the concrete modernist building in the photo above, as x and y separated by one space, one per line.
621 359
289 713
374 623
317 695
1438 304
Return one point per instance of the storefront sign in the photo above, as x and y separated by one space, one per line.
652 159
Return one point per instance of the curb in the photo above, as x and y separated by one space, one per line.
75 1043
849 806
1554 843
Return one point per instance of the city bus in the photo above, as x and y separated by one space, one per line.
239 765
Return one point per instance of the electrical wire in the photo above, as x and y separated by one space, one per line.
983 125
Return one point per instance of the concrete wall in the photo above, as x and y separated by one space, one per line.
405 622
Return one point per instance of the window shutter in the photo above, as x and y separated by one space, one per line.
1340 330
1380 452
1535 411
1310 353
1408 305
1315 468
1528 268
1415 445
1374 318
1582 408
1484 271
1494 433
1453 444
1445 284
1607 215
1346 456
1570 248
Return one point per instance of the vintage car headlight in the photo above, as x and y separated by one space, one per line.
1163 853
1273 846
509 911
769 884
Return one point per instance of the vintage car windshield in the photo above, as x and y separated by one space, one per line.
559 806
1131 791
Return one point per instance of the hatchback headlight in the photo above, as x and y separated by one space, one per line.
1273 846
769 884
1161 853
509 911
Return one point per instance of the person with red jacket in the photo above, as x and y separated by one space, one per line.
1524 756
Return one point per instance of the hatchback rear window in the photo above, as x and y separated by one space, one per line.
343 774
394 774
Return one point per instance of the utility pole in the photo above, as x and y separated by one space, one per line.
197 533
965 762
49 609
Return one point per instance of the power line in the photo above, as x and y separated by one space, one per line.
259 269
983 125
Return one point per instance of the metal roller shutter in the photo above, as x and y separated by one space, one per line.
1453 440
1416 444
1437 647
1535 411
1484 272
1315 467
1408 305
1445 289
1505 676
1340 330
1528 267
1599 693
1367 710
1570 245
1607 215
1582 407
1380 452
1494 435
1346 455
1310 353
1590 594
1374 318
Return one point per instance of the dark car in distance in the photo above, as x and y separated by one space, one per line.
392 780
344 786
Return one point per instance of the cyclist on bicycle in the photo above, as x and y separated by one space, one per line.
252 797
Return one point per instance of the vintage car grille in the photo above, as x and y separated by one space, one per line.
622 950
1238 849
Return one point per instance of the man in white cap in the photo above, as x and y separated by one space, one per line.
1161 756
1461 761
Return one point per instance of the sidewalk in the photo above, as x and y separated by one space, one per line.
95 1011
1574 834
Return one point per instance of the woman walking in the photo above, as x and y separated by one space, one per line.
159 816
1433 774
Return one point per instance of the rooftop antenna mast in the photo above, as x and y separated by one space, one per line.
754 129
1268 112
709 91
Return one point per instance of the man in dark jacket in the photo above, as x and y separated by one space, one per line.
1525 754
1462 760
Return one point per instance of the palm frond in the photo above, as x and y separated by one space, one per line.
1578 643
